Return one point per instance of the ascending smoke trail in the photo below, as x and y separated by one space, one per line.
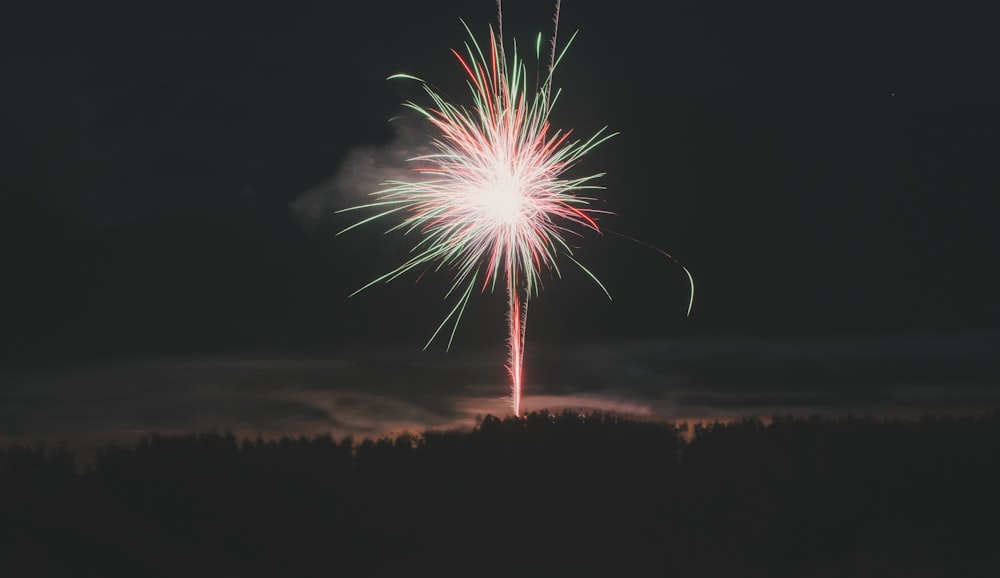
492 200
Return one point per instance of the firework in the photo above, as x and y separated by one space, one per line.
492 202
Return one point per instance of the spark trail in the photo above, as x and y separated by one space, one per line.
492 201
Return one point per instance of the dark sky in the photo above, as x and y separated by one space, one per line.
826 171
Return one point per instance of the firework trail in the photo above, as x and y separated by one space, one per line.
491 201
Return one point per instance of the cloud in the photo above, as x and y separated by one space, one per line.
376 391
363 171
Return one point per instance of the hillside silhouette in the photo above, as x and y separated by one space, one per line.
544 495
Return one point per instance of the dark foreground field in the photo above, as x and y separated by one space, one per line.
563 495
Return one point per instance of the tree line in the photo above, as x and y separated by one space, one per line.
565 494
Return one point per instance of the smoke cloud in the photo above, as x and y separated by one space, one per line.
363 171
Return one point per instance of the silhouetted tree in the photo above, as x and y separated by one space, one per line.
592 494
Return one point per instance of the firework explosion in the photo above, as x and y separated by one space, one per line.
491 203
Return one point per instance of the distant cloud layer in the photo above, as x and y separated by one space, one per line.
368 393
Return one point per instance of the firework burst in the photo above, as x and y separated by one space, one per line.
492 202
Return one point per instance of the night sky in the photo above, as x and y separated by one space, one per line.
827 172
